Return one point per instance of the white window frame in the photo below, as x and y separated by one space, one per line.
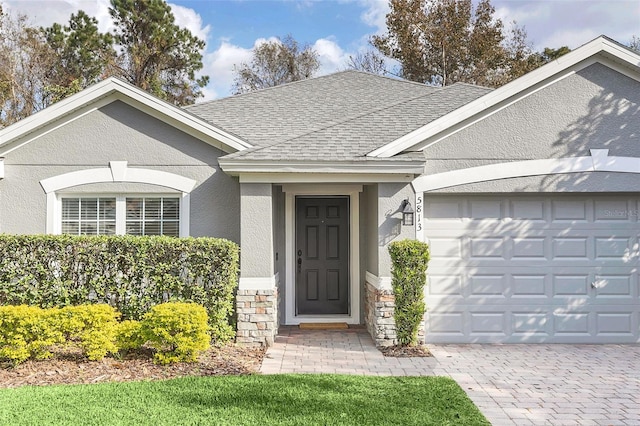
57 187
121 208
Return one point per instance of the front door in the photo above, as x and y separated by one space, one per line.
322 255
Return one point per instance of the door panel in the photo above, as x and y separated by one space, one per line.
322 255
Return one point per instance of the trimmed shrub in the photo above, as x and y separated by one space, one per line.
27 332
409 266
92 327
129 273
177 331
129 335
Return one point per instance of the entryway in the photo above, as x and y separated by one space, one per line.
320 271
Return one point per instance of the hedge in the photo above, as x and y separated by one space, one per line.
409 266
129 273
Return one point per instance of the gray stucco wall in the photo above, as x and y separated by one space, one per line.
369 213
118 132
390 197
256 239
596 108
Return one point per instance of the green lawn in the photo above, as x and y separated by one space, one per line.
246 400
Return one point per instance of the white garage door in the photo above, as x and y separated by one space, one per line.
561 269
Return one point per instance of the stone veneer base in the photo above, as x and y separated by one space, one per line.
379 307
257 312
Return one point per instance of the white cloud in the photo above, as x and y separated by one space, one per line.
43 13
218 65
375 14
571 22
188 18
332 57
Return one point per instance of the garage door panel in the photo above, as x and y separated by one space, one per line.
446 248
569 248
444 285
486 209
563 210
614 286
607 247
528 323
614 323
570 285
533 269
530 210
529 286
485 248
615 210
529 248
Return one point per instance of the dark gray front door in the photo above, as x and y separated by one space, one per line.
322 255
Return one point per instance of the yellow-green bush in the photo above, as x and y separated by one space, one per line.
27 332
177 331
129 335
93 327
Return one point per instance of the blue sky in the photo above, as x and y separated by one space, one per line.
339 28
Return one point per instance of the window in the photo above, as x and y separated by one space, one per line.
109 215
89 216
153 216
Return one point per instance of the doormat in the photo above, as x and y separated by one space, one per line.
323 326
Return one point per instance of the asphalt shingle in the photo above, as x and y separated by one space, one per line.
341 116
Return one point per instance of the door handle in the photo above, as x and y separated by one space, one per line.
299 264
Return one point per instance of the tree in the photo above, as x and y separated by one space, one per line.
155 54
442 42
635 43
274 63
549 54
368 61
84 55
25 60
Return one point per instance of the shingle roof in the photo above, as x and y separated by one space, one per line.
341 116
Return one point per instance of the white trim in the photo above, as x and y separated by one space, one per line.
258 283
380 167
115 89
185 215
598 162
302 189
1 168
54 223
283 178
380 283
117 172
610 53
353 191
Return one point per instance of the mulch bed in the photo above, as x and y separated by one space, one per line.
405 351
70 368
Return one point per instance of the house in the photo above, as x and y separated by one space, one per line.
527 194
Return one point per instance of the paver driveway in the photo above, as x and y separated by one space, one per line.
511 384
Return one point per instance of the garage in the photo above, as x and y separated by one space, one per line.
530 268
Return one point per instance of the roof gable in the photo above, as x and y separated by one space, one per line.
106 92
601 50
274 115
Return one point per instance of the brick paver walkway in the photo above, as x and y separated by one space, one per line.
511 384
